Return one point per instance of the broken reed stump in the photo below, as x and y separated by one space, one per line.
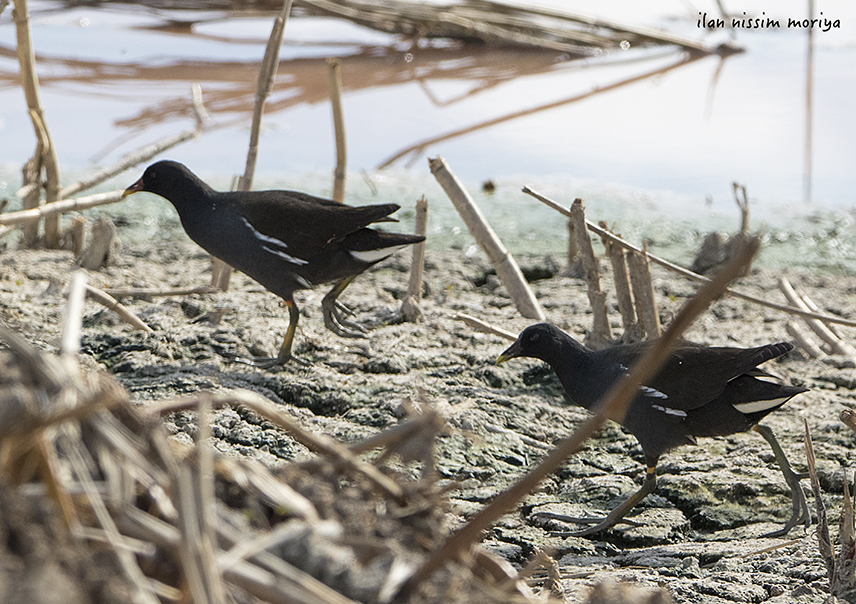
848 418
574 269
621 279
77 235
643 292
104 246
600 334
506 267
410 309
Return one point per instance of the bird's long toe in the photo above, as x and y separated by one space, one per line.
598 521
800 514
344 309
353 326
278 361
334 321
345 329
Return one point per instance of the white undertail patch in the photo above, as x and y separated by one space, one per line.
756 406
376 255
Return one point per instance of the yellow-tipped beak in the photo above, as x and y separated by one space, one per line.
509 353
134 188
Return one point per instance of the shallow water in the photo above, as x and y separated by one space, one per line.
655 158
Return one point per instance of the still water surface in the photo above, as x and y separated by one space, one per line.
655 158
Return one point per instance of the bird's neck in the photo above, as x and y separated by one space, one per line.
579 382
194 206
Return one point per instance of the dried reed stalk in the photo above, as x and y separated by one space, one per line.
142 292
59 207
815 308
502 260
485 327
144 593
573 268
128 161
334 74
103 246
804 341
267 73
110 302
818 326
271 579
197 516
44 157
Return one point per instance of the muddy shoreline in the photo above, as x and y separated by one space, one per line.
713 500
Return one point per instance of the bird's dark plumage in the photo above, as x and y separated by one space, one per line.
285 240
699 391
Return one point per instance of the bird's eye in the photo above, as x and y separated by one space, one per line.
533 337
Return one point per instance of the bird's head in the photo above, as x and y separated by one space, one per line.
536 341
166 178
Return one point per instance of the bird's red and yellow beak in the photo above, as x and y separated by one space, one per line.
134 188
509 353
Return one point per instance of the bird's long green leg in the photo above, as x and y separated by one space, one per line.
333 320
616 515
801 512
285 354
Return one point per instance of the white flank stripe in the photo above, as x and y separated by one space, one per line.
278 245
376 255
756 406
284 256
648 391
670 411
303 282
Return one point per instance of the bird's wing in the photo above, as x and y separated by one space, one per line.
695 375
302 224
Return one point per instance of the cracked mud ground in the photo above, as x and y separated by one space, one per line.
700 538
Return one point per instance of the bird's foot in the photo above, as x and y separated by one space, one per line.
800 513
278 361
335 322
269 362
344 309
600 523
618 514
800 510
